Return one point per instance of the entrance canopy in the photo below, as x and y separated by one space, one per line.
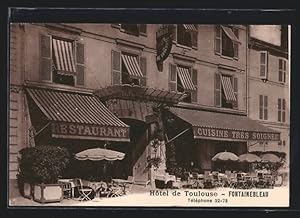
78 115
227 127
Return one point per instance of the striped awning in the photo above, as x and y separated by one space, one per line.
78 115
132 65
63 56
230 34
185 78
228 88
190 27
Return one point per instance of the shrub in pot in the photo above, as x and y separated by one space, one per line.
41 167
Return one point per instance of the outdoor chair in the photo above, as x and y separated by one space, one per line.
67 189
241 182
84 191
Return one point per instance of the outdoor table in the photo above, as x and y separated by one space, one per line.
122 183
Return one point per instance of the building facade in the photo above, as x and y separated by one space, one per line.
269 74
195 100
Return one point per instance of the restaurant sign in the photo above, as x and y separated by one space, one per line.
89 131
164 40
236 135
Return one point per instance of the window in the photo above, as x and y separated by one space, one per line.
226 91
128 69
132 29
263 107
281 110
282 70
227 41
184 79
263 65
187 35
62 61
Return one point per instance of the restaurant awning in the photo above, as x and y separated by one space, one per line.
230 34
132 65
185 78
78 115
227 127
190 27
228 89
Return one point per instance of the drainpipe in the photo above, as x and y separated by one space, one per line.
247 75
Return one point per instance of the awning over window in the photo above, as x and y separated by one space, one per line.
63 56
228 89
78 116
227 127
190 27
185 78
132 65
230 34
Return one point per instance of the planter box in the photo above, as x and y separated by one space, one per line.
47 193
27 191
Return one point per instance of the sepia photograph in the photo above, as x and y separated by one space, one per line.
149 115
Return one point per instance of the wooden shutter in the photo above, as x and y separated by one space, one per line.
265 107
46 58
195 82
283 110
263 60
235 44
80 63
174 33
235 91
143 66
280 67
143 29
261 105
284 70
218 90
172 78
116 67
218 39
279 109
194 35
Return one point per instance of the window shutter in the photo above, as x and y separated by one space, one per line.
280 68
217 90
218 40
143 29
235 44
172 78
45 57
116 67
195 37
174 33
284 71
235 91
195 82
263 65
279 110
283 110
265 107
261 103
143 66
80 63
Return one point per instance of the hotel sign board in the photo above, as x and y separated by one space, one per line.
236 135
89 131
164 40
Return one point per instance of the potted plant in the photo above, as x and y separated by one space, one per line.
41 167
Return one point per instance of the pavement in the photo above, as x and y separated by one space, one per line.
141 196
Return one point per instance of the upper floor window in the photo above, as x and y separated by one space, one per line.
263 64
281 110
128 69
187 35
132 29
263 107
184 79
62 61
226 91
282 69
227 41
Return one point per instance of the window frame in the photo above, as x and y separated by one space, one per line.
263 107
282 70
265 64
119 26
219 30
192 35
